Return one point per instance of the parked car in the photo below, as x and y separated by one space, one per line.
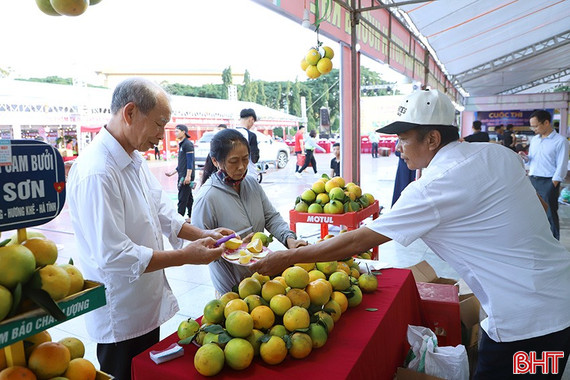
271 151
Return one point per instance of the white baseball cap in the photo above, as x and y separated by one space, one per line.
428 107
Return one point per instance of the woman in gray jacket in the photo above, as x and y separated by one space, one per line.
229 198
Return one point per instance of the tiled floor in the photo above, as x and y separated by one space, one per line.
192 285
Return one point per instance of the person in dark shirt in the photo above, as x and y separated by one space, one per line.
247 119
335 162
478 135
185 170
499 132
509 138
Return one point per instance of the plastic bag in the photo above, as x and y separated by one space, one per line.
426 357
564 195
448 363
421 340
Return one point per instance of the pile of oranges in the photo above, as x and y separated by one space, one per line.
318 61
47 359
274 318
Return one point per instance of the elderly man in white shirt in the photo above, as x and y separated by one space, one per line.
485 220
119 214
548 164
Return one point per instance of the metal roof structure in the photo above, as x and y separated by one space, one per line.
493 47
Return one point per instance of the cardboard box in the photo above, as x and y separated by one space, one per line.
470 309
423 272
32 322
408 374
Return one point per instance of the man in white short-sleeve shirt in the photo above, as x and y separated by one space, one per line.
485 220
119 214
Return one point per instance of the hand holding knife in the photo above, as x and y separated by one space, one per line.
231 236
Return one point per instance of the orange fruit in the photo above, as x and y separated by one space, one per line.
315 274
238 353
35 341
273 351
368 283
49 359
341 299
301 345
227 297
17 265
17 373
296 277
45 6
233 305
271 288
329 52
328 267
312 72
80 369
253 339
278 330
326 318
70 7
332 304
280 303
44 250
253 301
313 56
214 311
239 324
318 335
304 63
296 318
209 359
281 279
356 298
248 286
318 292
307 266
53 279
263 317
6 301
299 297
324 65
76 278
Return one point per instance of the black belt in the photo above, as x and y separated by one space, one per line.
538 177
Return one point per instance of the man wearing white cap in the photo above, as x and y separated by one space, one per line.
469 212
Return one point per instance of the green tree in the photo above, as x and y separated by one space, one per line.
261 97
227 80
295 108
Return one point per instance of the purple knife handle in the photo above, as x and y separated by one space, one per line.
224 239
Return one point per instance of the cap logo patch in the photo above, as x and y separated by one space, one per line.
401 110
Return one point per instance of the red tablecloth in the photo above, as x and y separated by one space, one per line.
362 345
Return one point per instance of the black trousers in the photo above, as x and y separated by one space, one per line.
374 149
185 199
309 159
496 359
115 358
545 188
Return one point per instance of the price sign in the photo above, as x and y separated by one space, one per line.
32 184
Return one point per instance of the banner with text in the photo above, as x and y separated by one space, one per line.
32 183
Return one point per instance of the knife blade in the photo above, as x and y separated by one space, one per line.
231 236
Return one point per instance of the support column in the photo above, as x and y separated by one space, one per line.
350 108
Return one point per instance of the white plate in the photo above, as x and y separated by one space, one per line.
233 255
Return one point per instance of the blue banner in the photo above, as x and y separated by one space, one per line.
519 119
32 183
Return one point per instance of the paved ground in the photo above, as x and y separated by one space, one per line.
192 285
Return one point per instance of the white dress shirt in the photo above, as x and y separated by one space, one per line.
119 214
486 221
548 156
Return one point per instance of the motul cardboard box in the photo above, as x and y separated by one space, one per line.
423 272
